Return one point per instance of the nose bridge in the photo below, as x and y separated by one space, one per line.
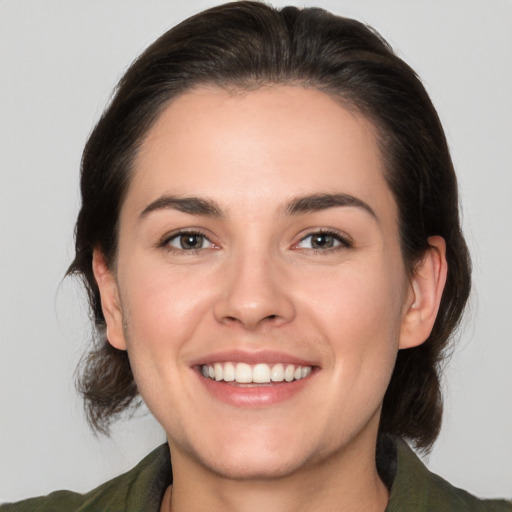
253 292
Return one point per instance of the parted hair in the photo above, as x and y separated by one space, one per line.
244 45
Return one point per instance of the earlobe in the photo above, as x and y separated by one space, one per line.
425 292
110 303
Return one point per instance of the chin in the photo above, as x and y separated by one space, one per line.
251 466
252 454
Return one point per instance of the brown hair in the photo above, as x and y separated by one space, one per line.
245 45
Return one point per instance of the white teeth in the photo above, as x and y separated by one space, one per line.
243 373
289 373
277 373
260 373
229 372
217 367
305 371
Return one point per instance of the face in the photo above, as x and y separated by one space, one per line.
260 289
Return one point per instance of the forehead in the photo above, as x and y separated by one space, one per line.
263 146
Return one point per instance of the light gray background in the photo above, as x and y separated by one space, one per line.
59 60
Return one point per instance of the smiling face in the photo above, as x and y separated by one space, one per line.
259 288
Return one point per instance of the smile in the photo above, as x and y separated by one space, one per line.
260 373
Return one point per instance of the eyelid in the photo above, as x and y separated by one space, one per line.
345 242
164 240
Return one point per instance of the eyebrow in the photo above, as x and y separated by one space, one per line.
297 206
191 205
318 202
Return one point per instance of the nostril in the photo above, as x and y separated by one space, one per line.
234 319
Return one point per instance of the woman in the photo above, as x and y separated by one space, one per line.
269 227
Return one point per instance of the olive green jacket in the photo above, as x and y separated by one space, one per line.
413 489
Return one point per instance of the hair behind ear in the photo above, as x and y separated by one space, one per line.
413 404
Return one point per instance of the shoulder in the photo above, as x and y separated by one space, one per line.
141 488
415 488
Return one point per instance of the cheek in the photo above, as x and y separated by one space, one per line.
357 310
364 299
157 301
162 313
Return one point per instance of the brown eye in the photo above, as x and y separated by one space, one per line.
189 241
323 241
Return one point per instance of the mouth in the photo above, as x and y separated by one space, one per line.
260 373
246 380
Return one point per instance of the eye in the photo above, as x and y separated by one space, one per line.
323 241
188 242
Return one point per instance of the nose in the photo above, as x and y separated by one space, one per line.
254 294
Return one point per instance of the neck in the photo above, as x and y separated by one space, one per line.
347 481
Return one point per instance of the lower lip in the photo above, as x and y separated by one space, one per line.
259 395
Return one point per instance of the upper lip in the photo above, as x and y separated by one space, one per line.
252 357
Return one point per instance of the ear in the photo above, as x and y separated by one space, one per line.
110 303
424 296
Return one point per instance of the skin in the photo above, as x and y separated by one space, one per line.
256 284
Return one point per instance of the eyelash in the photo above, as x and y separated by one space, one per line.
166 241
344 242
